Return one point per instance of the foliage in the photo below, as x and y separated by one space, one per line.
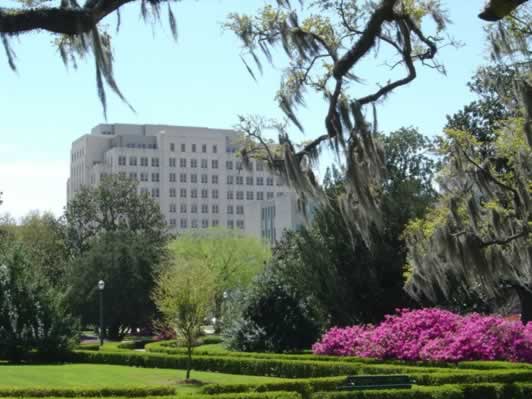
33 314
275 317
126 264
183 294
432 334
233 259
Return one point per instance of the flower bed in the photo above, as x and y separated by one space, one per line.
434 335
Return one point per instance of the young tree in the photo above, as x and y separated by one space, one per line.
183 295
233 258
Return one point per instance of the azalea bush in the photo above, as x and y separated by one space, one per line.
432 334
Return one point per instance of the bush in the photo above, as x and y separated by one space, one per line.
134 344
435 335
130 392
33 314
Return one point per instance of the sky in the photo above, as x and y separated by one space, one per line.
199 80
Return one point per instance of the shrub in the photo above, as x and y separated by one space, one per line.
129 392
435 335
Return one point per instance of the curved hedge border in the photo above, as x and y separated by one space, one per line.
247 366
247 395
130 392
166 347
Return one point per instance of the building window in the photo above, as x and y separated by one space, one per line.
249 195
182 178
172 208
193 163
171 162
143 176
155 162
172 147
215 223
214 149
205 208
204 164
133 175
122 160
240 224
230 224
155 192
240 180
229 165
133 161
193 178
172 222
215 208
172 177
215 194
239 210
155 177
193 147
205 223
260 195
204 193
193 208
194 223
240 195
183 147
259 166
214 179
260 181
214 164
269 181
280 181
182 162
204 148
172 193
204 179
269 195
229 209
122 175
143 161
238 165
183 223
183 193
249 180
183 208
229 179
229 195
144 191
194 193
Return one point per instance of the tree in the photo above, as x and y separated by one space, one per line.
496 10
128 266
114 205
33 314
234 259
116 234
183 295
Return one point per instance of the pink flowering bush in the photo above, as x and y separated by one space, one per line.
432 334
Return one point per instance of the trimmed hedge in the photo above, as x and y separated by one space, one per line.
235 365
477 391
134 344
130 392
88 347
168 347
250 395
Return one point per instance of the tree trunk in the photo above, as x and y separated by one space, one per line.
525 298
189 357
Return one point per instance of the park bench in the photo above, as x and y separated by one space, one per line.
356 382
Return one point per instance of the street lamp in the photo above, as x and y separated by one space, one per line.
101 286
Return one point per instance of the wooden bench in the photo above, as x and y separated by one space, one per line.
359 382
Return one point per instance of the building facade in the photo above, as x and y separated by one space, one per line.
193 173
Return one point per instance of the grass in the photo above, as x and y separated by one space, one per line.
97 375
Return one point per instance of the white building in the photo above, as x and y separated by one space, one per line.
194 173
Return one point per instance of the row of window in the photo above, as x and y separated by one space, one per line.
193 148
204 208
143 161
194 223
142 145
204 178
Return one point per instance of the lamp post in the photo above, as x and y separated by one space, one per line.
101 286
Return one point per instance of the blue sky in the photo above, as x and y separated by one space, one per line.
198 81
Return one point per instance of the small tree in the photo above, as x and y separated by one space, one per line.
183 295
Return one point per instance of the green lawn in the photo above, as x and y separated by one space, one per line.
96 375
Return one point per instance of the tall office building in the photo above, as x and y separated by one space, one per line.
193 173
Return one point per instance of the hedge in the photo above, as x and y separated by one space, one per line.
235 365
250 395
134 344
89 347
477 391
168 347
130 392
